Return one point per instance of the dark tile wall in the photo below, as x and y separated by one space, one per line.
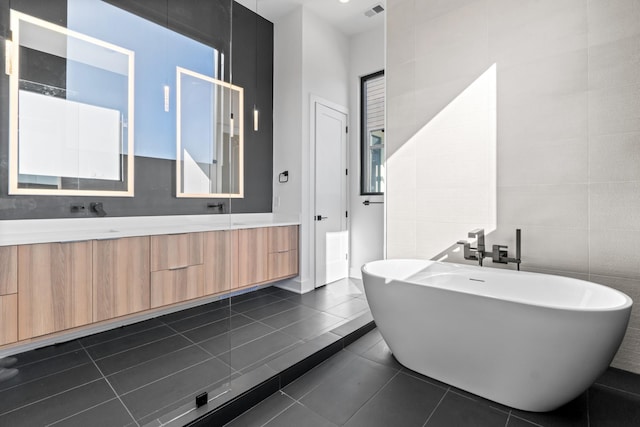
209 22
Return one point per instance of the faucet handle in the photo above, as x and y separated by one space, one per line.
500 254
469 252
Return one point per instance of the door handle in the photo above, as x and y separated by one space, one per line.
320 217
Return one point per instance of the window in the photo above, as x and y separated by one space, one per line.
372 133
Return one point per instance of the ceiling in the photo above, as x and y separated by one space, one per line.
349 17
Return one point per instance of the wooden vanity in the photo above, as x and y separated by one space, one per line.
53 288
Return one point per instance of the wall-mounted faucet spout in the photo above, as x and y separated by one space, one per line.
97 208
477 253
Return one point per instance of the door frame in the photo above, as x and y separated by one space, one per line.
313 100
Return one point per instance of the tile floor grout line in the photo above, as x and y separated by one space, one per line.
185 401
414 374
327 329
80 412
277 314
206 324
18 366
275 416
232 370
229 314
272 303
368 348
149 360
45 376
317 366
230 347
117 338
195 343
262 424
616 389
192 316
255 339
131 348
49 396
436 407
228 306
524 419
374 395
112 389
257 362
165 377
506 423
255 299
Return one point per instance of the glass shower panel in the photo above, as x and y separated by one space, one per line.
182 121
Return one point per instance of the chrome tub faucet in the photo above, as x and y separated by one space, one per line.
499 253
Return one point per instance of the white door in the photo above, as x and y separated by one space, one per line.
331 252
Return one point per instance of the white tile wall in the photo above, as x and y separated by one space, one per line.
567 135
614 157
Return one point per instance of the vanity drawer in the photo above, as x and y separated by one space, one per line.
8 318
176 285
174 251
283 238
283 264
8 270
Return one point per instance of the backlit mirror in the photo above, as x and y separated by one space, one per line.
209 137
71 112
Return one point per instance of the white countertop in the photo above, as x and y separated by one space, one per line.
27 231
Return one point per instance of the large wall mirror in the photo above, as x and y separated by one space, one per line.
71 112
209 136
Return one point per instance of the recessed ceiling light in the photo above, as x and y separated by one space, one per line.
343 1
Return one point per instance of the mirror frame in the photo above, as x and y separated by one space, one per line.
240 90
12 69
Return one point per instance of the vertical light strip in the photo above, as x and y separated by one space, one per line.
255 94
255 119
167 92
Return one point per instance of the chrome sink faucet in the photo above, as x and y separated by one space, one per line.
477 253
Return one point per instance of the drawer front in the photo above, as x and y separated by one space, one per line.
8 270
8 319
221 261
177 285
120 277
252 256
283 264
174 251
283 238
54 284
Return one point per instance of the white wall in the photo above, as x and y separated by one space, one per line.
567 133
366 54
287 115
310 58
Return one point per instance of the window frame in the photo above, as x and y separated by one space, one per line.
364 136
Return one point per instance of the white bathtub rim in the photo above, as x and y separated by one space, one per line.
626 301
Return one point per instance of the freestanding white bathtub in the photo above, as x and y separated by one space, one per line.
526 340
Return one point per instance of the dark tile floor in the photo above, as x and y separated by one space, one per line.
363 385
132 375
